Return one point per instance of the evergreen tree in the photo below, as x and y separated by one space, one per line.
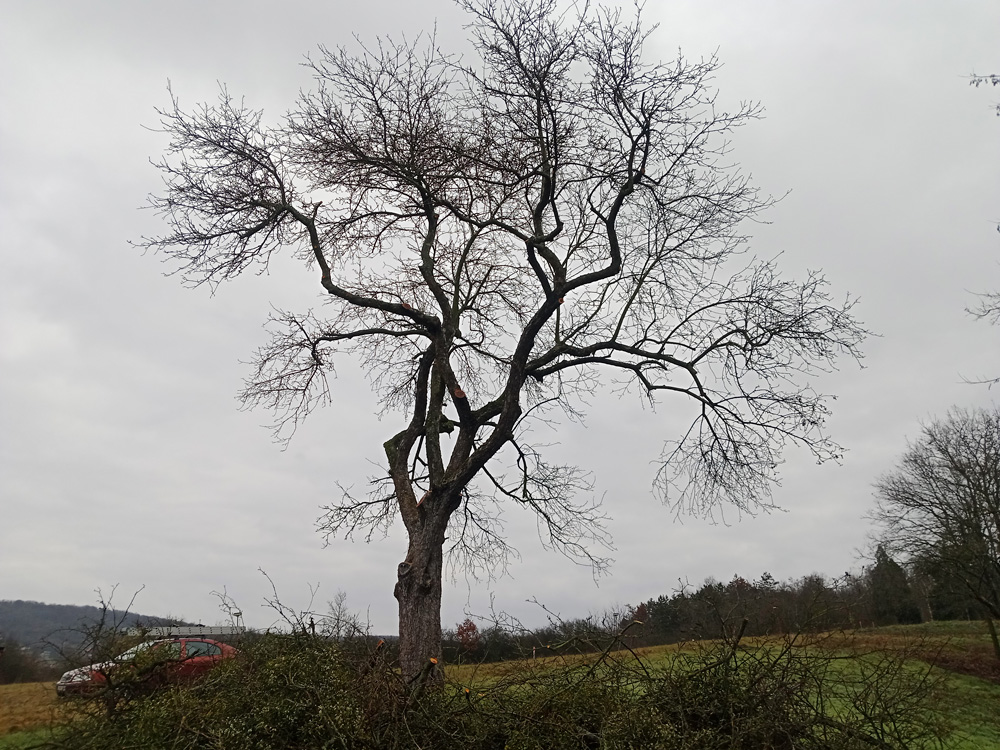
892 599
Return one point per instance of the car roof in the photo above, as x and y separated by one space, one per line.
225 647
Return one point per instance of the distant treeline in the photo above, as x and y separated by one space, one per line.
882 594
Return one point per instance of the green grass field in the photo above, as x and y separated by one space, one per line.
25 740
961 652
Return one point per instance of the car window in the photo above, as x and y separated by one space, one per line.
162 650
201 648
139 649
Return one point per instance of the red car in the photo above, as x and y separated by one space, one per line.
152 664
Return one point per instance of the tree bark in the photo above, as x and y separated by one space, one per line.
418 591
993 637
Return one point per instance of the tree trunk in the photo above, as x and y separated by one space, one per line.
993 637
418 591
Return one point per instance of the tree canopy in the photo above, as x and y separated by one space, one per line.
494 239
940 507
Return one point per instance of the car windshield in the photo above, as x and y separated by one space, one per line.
169 649
134 651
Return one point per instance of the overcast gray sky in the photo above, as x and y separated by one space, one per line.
125 460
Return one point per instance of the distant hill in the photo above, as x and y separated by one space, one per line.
48 627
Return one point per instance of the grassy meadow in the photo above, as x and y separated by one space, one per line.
960 652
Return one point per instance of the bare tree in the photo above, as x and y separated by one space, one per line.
988 80
989 302
493 240
940 507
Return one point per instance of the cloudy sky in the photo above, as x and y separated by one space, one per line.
125 459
